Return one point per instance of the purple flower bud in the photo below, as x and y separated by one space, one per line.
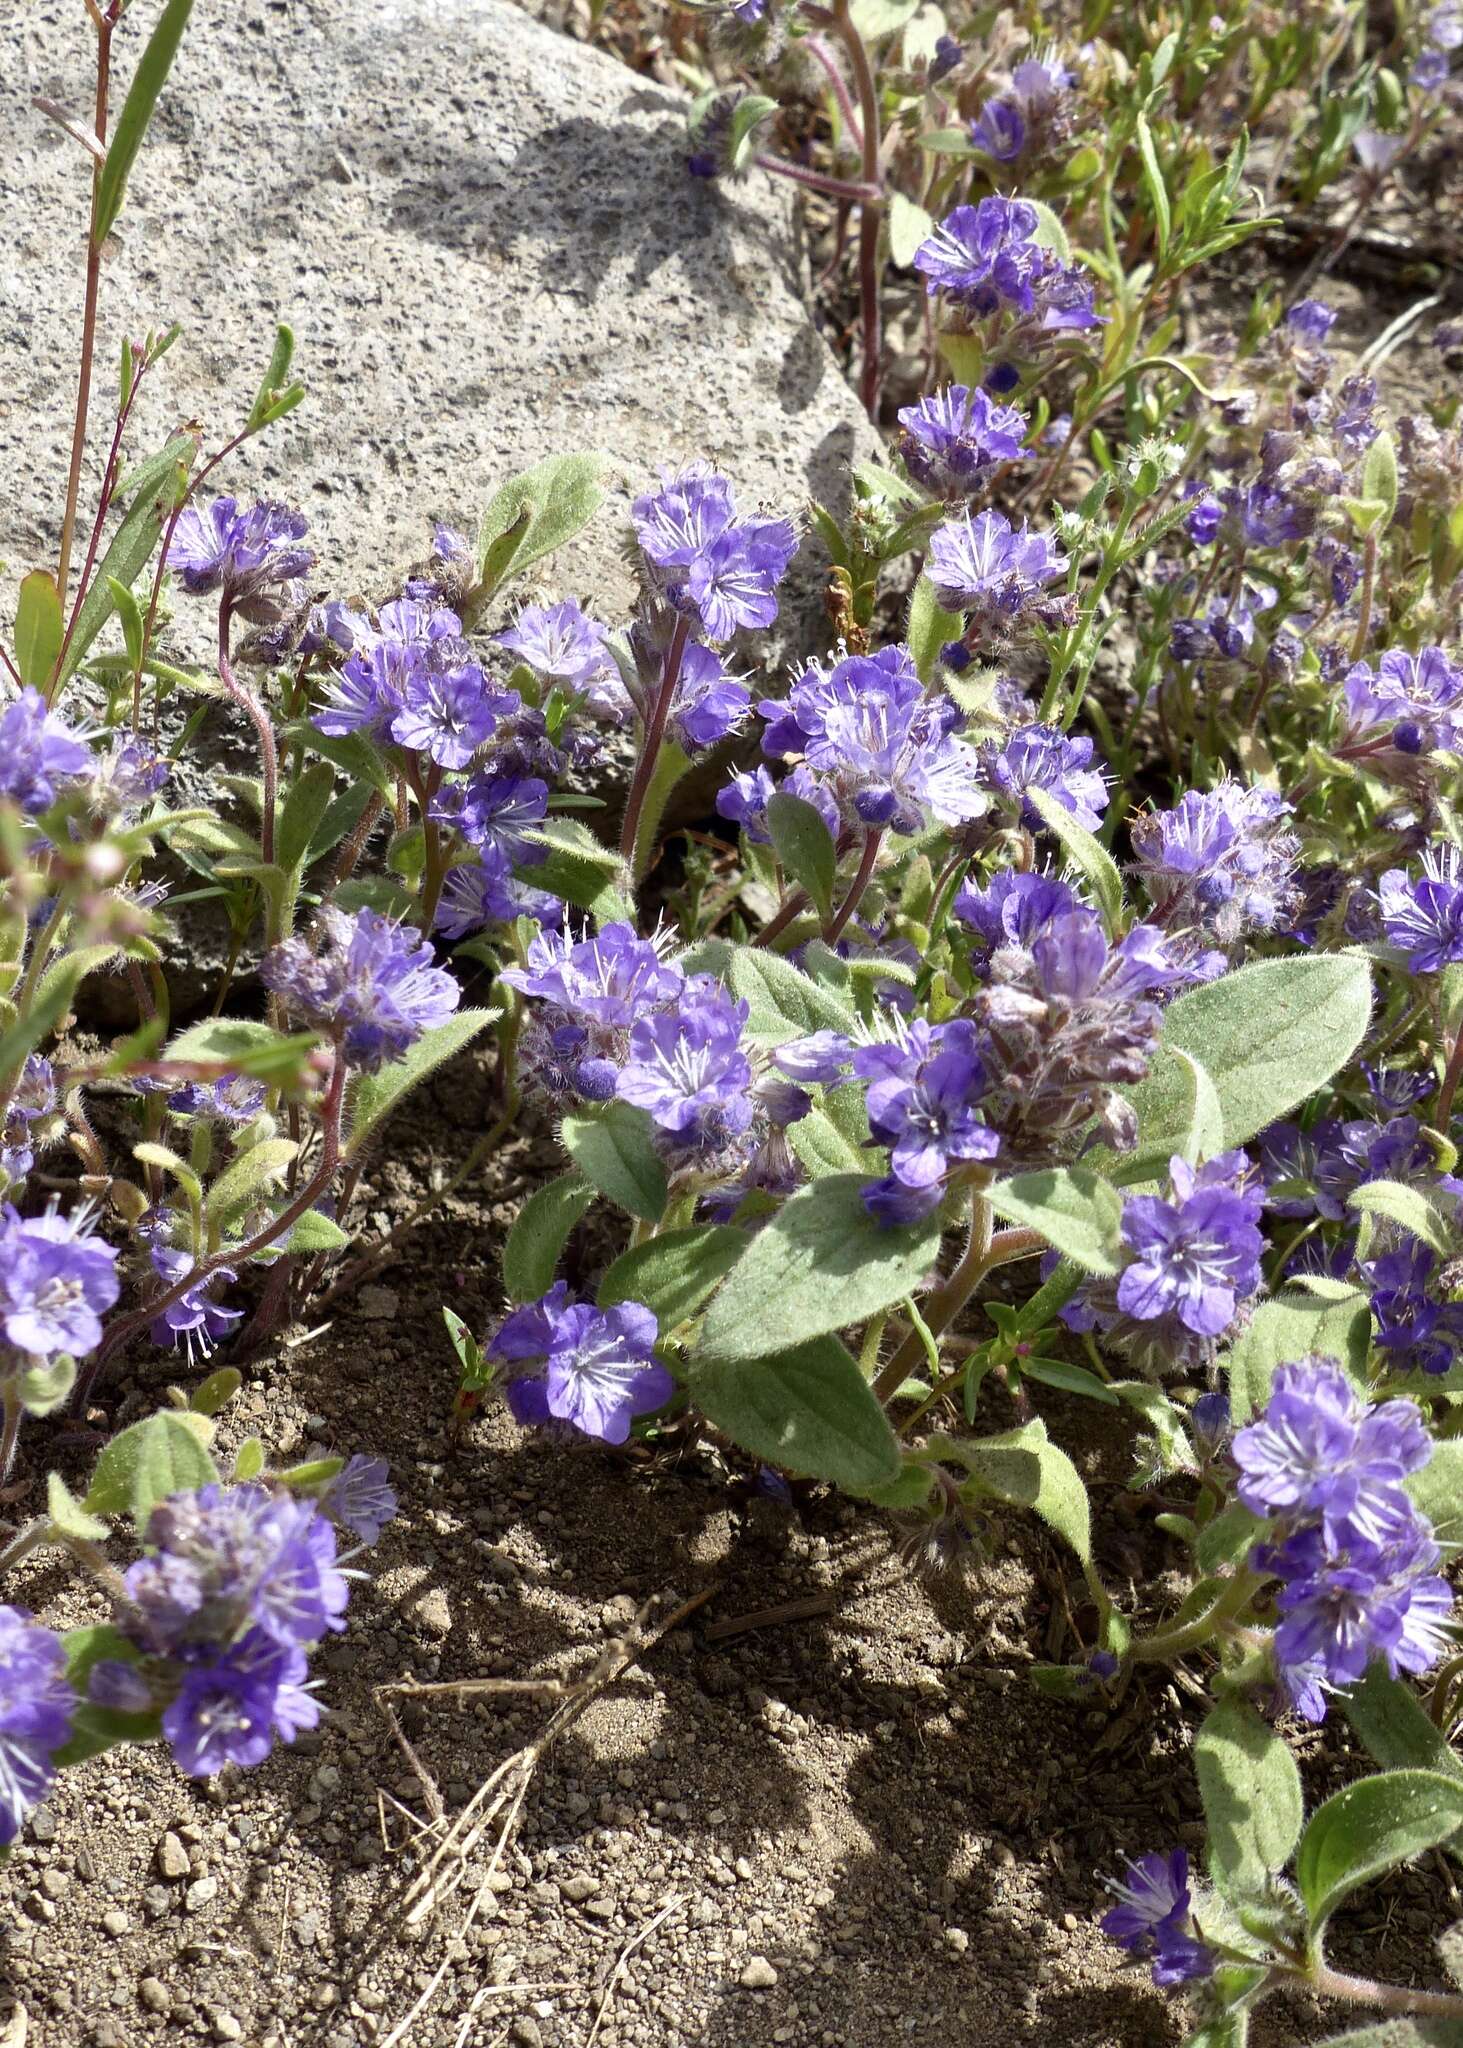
1000 130
39 754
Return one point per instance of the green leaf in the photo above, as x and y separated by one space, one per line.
877 18
1025 1469
316 1233
1154 186
249 1178
276 395
808 1410
1050 234
580 869
95 1729
248 1047
820 1263
249 1459
217 1391
676 1274
1271 1034
930 628
782 1002
909 225
535 513
376 1095
1437 1489
1088 855
821 1143
1379 478
44 1385
1230 1536
39 628
1253 1804
1074 1209
159 485
1069 1379
615 1151
152 70
304 807
165 1454
804 845
69 1516
1288 1327
1408 1206
1369 1828
540 1231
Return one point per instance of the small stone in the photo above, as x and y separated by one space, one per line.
378 1304
199 1893
172 1857
527 2032
957 1940
55 1883
579 1887
116 1924
602 1909
226 2027
744 1870
431 1609
758 1974
154 1995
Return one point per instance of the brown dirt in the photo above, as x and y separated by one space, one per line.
870 1806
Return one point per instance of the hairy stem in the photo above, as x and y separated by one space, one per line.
655 725
1384 1997
258 717
986 1250
864 875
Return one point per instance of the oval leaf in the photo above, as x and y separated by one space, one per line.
615 1151
1075 1210
1370 1828
809 1410
1252 1796
676 1274
540 1231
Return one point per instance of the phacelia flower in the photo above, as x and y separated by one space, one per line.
954 437
1420 696
721 571
687 1069
367 981
561 643
229 1709
1000 130
125 778
360 1497
1153 1918
743 801
244 554
923 1091
709 703
448 710
1422 916
1342 1608
1320 1452
885 750
587 993
1012 911
1041 757
993 572
195 1321
1196 1257
36 1709
594 1369
1311 320
56 1283
1417 1328
985 257
1222 861
234 1099
39 753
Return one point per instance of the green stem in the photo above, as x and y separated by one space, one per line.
655 726
982 1254
864 875
1383 1997
1167 1644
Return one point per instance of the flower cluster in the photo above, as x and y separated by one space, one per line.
367 982
986 259
720 571
57 1280
411 680
1356 1560
1220 864
40 755
952 439
996 574
252 556
37 1707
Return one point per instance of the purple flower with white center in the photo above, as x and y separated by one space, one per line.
1221 860
360 1497
708 703
448 711
1420 696
1153 1918
369 691
561 643
1311 320
608 980
1397 1089
593 1369
1422 916
1354 424
195 1321
125 778
1195 1257
1012 910
34 1101
367 981
498 811
244 554
886 751
1000 130
36 1709
992 571
984 255
230 1709
1320 1452
923 1092
1041 757
56 1282
1340 1610
821 1058
732 583
234 1099
687 1069
228 1561
39 753
953 438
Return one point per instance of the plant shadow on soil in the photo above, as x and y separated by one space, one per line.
873 1803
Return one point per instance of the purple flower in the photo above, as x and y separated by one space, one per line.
1195 1257
984 255
36 1706
224 1563
194 1321
588 993
686 1067
923 1092
885 751
1376 152
56 1281
744 800
723 572
125 778
234 1099
953 438
1423 916
708 703
561 643
371 689
367 981
1000 130
821 1058
1415 1331
1041 757
486 891
230 1709
1153 1917
243 554
1311 320
497 811
38 753
1320 1452
448 711
986 568
1419 695
1222 861
1012 910
1341 1609
593 1369
360 1497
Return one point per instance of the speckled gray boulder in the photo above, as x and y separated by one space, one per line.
485 239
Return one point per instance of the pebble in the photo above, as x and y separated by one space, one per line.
55 1883
226 2027
155 1995
527 2032
957 1939
378 1304
172 1857
199 1893
431 1608
116 1923
758 1974
579 1887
